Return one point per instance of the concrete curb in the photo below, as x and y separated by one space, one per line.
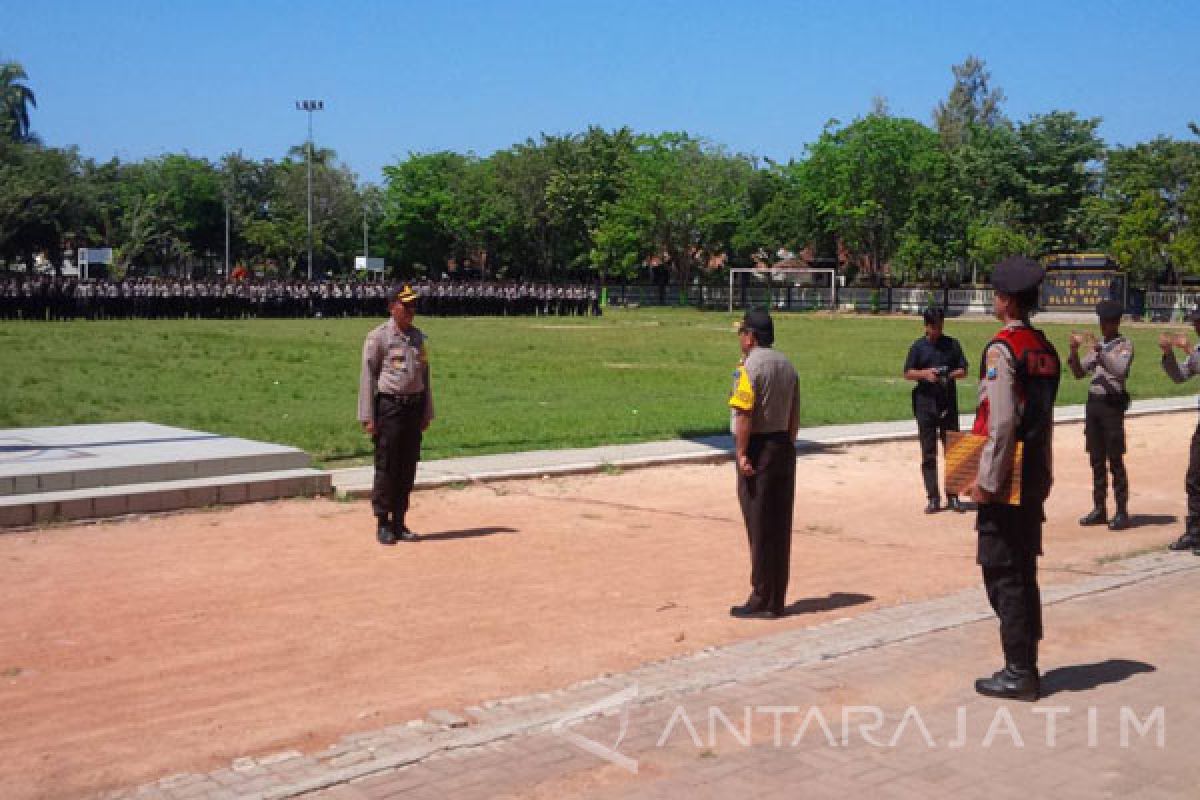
356 482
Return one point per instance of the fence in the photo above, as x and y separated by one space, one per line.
1157 305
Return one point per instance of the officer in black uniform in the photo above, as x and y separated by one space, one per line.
1108 362
935 362
1190 540
395 406
1017 387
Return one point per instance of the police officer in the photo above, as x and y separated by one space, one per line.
395 406
935 362
1108 362
1018 384
766 414
1190 540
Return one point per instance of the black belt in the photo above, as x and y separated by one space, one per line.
774 436
404 399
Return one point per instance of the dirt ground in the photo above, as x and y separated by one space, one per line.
134 649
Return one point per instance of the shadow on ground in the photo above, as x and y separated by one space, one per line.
1142 520
811 605
1081 677
466 533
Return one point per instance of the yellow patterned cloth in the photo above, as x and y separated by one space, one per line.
962 465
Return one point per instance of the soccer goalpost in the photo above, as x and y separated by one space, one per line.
786 288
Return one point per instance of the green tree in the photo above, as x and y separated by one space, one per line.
683 204
16 98
972 103
1058 169
1143 234
876 183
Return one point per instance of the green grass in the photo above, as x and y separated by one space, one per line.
501 384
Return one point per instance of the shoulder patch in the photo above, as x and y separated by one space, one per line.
742 396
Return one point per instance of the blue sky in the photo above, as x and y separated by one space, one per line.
135 78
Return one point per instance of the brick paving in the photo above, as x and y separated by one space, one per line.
882 703
1113 659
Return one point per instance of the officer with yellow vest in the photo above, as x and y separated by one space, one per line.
765 404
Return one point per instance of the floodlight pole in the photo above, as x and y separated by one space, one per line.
310 106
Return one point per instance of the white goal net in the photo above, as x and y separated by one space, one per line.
785 289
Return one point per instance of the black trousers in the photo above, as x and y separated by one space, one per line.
1104 432
1010 541
1193 482
397 451
929 431
766 499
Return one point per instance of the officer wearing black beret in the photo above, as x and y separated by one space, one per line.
935 362
1108 362
765 404
1019 369
1190 540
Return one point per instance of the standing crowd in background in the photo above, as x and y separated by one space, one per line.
41 298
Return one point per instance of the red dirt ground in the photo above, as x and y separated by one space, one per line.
134 649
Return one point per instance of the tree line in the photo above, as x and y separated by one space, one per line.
936 201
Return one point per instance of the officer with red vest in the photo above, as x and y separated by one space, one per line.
1018 383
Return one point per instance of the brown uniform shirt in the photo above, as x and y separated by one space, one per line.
999 387
393 362
1181 372
1109 367
765 384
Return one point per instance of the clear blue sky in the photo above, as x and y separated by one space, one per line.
139 79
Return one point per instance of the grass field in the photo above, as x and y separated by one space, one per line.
501 384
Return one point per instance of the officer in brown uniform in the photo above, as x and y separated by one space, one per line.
1108 362
1018 384
765 404
395 406
1190 540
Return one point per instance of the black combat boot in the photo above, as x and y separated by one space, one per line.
383 533
1191 536
1120 520
1011 683
1097 516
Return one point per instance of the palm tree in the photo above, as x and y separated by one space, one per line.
15 101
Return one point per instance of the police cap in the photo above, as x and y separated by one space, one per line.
1109 310
758 321
404 294
1017 274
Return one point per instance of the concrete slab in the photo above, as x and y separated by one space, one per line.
89 471
109 501
84 456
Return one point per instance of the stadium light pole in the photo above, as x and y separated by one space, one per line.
309 106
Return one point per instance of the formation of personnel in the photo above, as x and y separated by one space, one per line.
41 298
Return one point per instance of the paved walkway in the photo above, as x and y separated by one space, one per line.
882 702
894 716
532 464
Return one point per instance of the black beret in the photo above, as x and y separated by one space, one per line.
934 316
1017 274
1109 310
758 321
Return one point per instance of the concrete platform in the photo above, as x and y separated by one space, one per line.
85 471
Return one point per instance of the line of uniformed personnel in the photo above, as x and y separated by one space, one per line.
41 298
